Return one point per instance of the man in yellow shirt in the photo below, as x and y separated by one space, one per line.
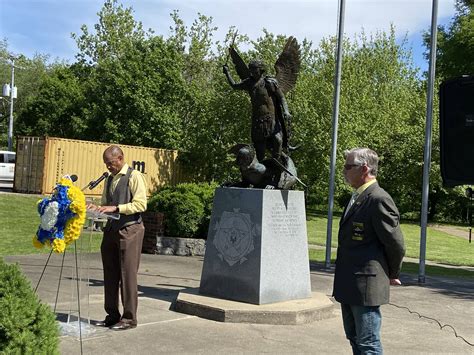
124 193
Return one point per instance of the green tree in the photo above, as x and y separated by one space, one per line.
136 83
28 78
56 110
456 43
213 117
132 87
381 107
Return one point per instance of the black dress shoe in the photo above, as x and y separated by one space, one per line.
105 323
123 326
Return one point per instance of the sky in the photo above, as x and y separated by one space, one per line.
45 26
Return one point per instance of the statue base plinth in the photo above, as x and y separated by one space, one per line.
257 249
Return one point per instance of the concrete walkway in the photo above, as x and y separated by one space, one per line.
461 232
161 330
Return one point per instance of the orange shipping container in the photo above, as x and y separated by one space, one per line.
42 161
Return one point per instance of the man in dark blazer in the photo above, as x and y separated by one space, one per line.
369 254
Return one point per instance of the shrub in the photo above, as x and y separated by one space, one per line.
26 325
187 208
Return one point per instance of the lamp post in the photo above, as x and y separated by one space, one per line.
10 90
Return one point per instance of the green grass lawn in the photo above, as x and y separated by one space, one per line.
319 256
19 221
440 247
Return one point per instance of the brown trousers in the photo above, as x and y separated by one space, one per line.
121 252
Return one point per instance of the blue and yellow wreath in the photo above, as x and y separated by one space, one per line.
62 217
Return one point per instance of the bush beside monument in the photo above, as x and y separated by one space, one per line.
177 219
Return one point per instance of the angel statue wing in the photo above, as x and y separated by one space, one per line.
240 67
288 65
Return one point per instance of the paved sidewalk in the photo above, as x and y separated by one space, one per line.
161 330
457 231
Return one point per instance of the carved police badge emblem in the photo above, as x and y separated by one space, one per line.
234 237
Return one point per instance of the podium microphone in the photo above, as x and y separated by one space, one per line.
72 177
94 183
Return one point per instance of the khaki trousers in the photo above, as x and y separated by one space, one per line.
121 252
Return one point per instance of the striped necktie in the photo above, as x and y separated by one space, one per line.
351 202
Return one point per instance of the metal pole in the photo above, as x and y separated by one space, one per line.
335 117
427 153
78 296
10 124
469 216
44 269
59 281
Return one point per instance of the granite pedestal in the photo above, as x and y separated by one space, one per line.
257 249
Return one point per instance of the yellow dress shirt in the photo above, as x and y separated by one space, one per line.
365 186
138 188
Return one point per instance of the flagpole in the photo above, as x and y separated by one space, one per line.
335 118
427 152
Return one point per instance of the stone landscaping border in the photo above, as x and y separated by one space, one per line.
155 242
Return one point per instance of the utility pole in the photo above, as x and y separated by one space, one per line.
12 94
10 90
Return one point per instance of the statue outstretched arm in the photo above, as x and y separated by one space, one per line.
230 80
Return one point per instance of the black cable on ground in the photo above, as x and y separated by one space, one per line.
441 326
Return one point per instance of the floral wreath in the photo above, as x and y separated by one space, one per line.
62 216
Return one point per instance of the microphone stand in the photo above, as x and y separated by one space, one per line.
94 183
85 187
88 186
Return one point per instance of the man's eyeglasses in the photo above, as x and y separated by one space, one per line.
350 166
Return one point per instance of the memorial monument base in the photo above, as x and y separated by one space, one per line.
257 248
294 312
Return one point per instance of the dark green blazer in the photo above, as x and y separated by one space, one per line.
370 249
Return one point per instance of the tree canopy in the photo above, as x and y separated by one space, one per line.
130 86
456 43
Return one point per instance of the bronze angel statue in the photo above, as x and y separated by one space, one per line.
271 119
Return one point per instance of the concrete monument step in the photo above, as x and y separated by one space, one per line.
293 312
